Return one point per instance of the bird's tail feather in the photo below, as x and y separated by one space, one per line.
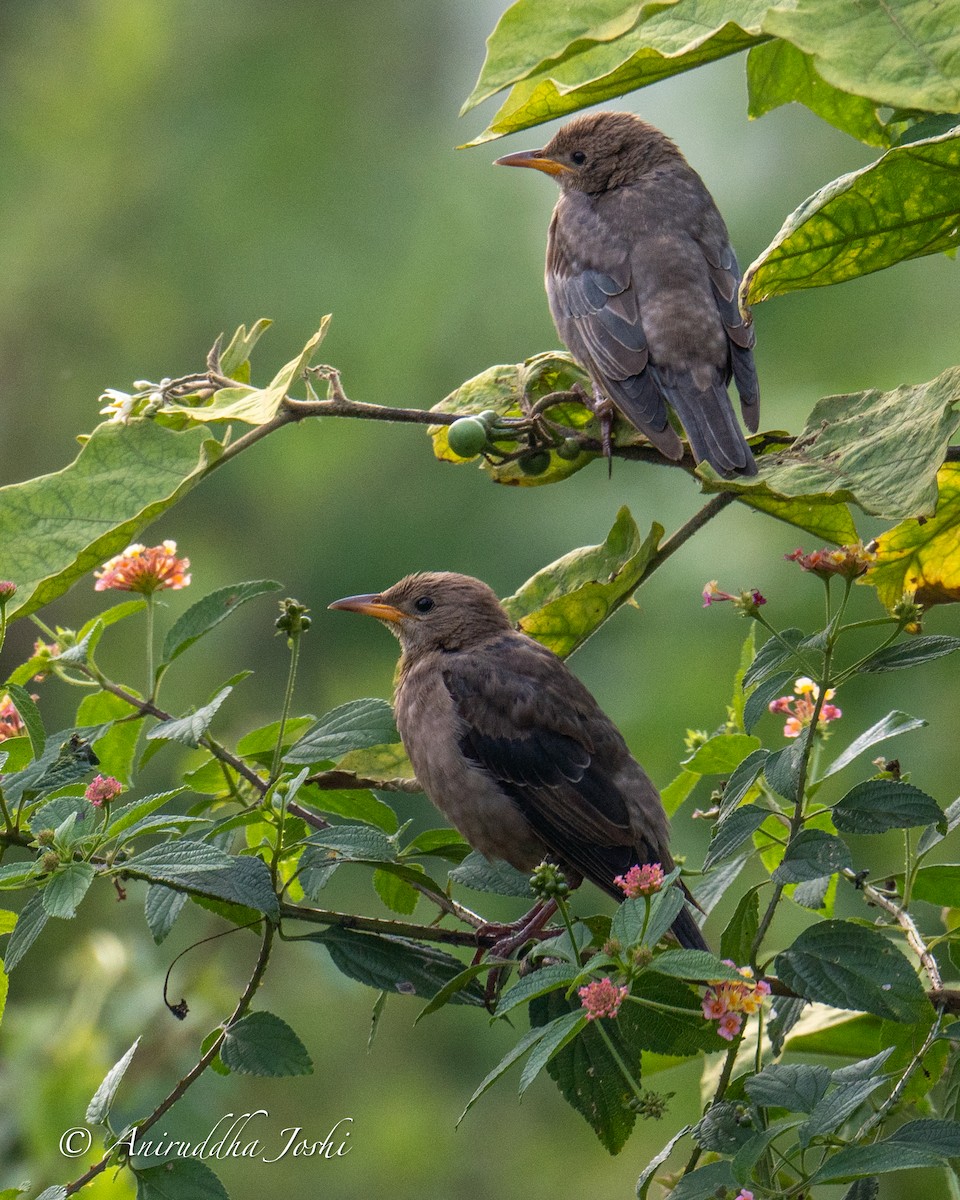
687 931
745 374
710 423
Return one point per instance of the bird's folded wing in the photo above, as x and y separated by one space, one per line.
521 724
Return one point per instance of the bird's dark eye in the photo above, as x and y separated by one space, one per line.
424 604
578 157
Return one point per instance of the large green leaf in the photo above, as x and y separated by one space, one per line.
566 602
903 206
901 53
880 450
57 528
848 966
356 725
926 1143
207 613
667 39
878 805
779 73
179 1180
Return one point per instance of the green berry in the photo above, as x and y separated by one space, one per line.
535 463
569 449
467 437
489 417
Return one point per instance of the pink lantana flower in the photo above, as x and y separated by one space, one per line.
102 789
602 998
729 1026
799 708
143 570
641 881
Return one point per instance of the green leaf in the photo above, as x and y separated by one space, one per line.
566 602
236 356
99 1107
30 715
705 1182
911 654
782 769
722 754
736 941
396 893
835 1107
33 917
353 726
863 1189
190 729
881 804
733 831
547 979
741 780
499 877
750 1153
357 804
938 884
607 58
262 1044
199 867
356 843
125 817
797 1087
53 814
758 702
901 53
207 613
880 450
67 888
440 843
530 1038
116 747
14 875
67 758
394 964
773 652
848 966
812 854
630 917
56 1192
677 791
699 965
177 1179
902 206
554 1037
892 725
259 744
588 1076
925 1143
779 73
161 907
8 921
55 529
649 1172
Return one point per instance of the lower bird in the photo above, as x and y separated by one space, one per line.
510 746
642 284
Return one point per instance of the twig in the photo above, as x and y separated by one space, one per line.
199 1066
906 923
408 929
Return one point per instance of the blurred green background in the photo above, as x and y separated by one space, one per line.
170 170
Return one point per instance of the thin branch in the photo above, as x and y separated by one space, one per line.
408 929
346 781
906 923
199 1066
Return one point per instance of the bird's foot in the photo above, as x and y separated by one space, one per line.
510 939
604 410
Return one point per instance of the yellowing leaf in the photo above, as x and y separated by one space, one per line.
923 557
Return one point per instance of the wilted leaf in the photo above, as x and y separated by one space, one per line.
903 206
922 557
563 604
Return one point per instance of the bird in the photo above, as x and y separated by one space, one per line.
510 746
643 284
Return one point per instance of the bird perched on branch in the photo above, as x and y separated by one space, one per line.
510 746
642 284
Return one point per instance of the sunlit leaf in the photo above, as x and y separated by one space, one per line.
905 205
923 557
563 604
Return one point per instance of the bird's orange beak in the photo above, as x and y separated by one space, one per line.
535 159
371 606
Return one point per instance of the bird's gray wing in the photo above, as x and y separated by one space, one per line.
714 243
598 317
541 735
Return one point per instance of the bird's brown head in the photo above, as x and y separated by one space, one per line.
434 610
599 151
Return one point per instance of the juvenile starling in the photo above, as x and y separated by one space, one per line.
510 746
642 284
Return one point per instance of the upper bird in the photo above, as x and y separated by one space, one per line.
642 284
509 745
